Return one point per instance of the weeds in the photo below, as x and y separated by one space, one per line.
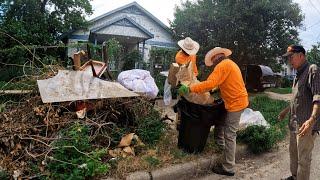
152 161
73 157
258 138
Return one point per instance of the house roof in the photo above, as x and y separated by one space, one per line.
129 5
127 19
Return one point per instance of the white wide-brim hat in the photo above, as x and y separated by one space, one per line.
190 46
215 51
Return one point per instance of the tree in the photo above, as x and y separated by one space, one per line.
313 55
40 22
35 22
256 31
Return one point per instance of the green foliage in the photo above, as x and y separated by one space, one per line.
41 22
313 55
73 157
260 139
286 83
114 52
162 56
281 90
150 127
256 31
153 161
130 59
160 80
4 175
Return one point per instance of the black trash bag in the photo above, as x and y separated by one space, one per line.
195 124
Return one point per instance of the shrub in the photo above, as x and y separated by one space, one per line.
260 139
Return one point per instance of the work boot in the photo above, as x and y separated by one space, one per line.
218 169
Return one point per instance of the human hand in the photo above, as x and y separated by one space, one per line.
183 90
306 127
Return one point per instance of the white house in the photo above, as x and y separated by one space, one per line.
132 25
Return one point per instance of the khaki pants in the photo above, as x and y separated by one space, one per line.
229 132
300 149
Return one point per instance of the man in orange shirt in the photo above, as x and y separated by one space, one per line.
227 76
189 49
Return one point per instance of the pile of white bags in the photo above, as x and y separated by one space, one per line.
139 81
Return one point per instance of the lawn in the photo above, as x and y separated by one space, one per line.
280 90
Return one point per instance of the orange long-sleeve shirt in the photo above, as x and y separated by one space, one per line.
182 58
227 76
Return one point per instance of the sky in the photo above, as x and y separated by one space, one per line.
164 9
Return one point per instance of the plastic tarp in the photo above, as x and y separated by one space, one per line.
266 70
139 81
79 85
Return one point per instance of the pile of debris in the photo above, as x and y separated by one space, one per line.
29 129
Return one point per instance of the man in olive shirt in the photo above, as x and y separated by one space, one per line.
304 112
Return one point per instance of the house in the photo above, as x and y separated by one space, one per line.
133 26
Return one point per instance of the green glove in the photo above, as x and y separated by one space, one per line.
183 90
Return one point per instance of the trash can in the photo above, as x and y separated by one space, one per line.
195 124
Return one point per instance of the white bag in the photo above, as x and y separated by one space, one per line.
139 81
167 97
250 117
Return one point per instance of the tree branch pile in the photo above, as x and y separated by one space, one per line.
28 130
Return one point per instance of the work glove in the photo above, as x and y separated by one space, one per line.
183 90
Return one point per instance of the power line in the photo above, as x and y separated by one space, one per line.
314 7
307 28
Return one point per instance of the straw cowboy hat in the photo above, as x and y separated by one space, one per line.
190 46
217 50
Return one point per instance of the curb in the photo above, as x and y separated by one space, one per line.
177 171
181 171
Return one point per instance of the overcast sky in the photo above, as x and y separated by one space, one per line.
163 10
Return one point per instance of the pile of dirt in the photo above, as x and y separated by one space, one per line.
29 129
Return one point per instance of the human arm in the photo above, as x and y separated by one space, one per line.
314 84
308 125
216 78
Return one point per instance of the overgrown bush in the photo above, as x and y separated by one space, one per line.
260 139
